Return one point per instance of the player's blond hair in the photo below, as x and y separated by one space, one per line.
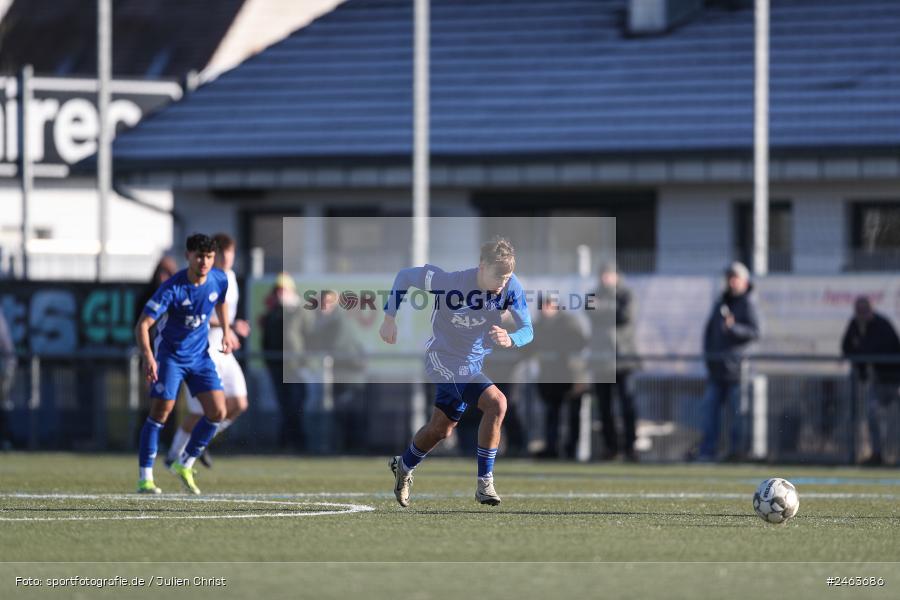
500 252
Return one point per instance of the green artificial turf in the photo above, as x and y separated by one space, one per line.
563 529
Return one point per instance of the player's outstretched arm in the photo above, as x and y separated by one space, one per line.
518 309
230 343
388 330
428 278
142 337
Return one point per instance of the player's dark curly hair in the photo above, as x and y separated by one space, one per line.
499 251
200 242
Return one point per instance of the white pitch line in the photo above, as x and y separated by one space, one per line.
273 498
345 509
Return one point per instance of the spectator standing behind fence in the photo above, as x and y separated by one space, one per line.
612 331
558 342
283 330
731 327
871 334
333 334
7 376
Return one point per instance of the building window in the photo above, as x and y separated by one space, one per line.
781 235
875 236
367 239
553 235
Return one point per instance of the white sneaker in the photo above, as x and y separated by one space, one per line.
485 492
402 481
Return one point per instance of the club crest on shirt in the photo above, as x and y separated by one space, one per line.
213 296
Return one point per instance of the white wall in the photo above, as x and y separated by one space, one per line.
201 211
67 211
695 229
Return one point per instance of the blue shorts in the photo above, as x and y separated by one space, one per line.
200 375
454 398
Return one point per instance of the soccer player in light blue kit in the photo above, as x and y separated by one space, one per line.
465 324
180 308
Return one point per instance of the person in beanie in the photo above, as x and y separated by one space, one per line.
732 325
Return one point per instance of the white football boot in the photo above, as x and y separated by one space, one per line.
402 481
485 492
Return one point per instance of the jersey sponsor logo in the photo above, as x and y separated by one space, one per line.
464 321
194 321
213 296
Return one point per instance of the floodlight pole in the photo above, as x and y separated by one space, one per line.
104 138
759 382
420 134
761 143
420 170
26 168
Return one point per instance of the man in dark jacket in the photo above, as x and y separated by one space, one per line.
613 296
558 342
732 326
870 333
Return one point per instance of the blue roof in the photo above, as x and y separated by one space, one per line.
518 78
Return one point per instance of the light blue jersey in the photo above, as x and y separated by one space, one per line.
463 314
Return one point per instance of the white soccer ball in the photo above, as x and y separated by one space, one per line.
776 500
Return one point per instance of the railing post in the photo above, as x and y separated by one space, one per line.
853 425
760 387
34 403
328 384
134 394
583 449
417 407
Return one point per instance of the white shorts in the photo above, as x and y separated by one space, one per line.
232 380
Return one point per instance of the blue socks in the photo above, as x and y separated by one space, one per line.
486 458
148 446
201 435
412 457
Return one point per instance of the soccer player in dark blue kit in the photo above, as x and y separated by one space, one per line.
180 309
466 324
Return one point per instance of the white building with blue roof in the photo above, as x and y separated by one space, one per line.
560 107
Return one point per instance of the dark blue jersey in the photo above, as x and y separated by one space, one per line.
181 310
463 315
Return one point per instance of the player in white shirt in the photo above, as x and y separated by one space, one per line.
226 364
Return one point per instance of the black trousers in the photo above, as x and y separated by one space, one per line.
558 398
605 392
291 397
